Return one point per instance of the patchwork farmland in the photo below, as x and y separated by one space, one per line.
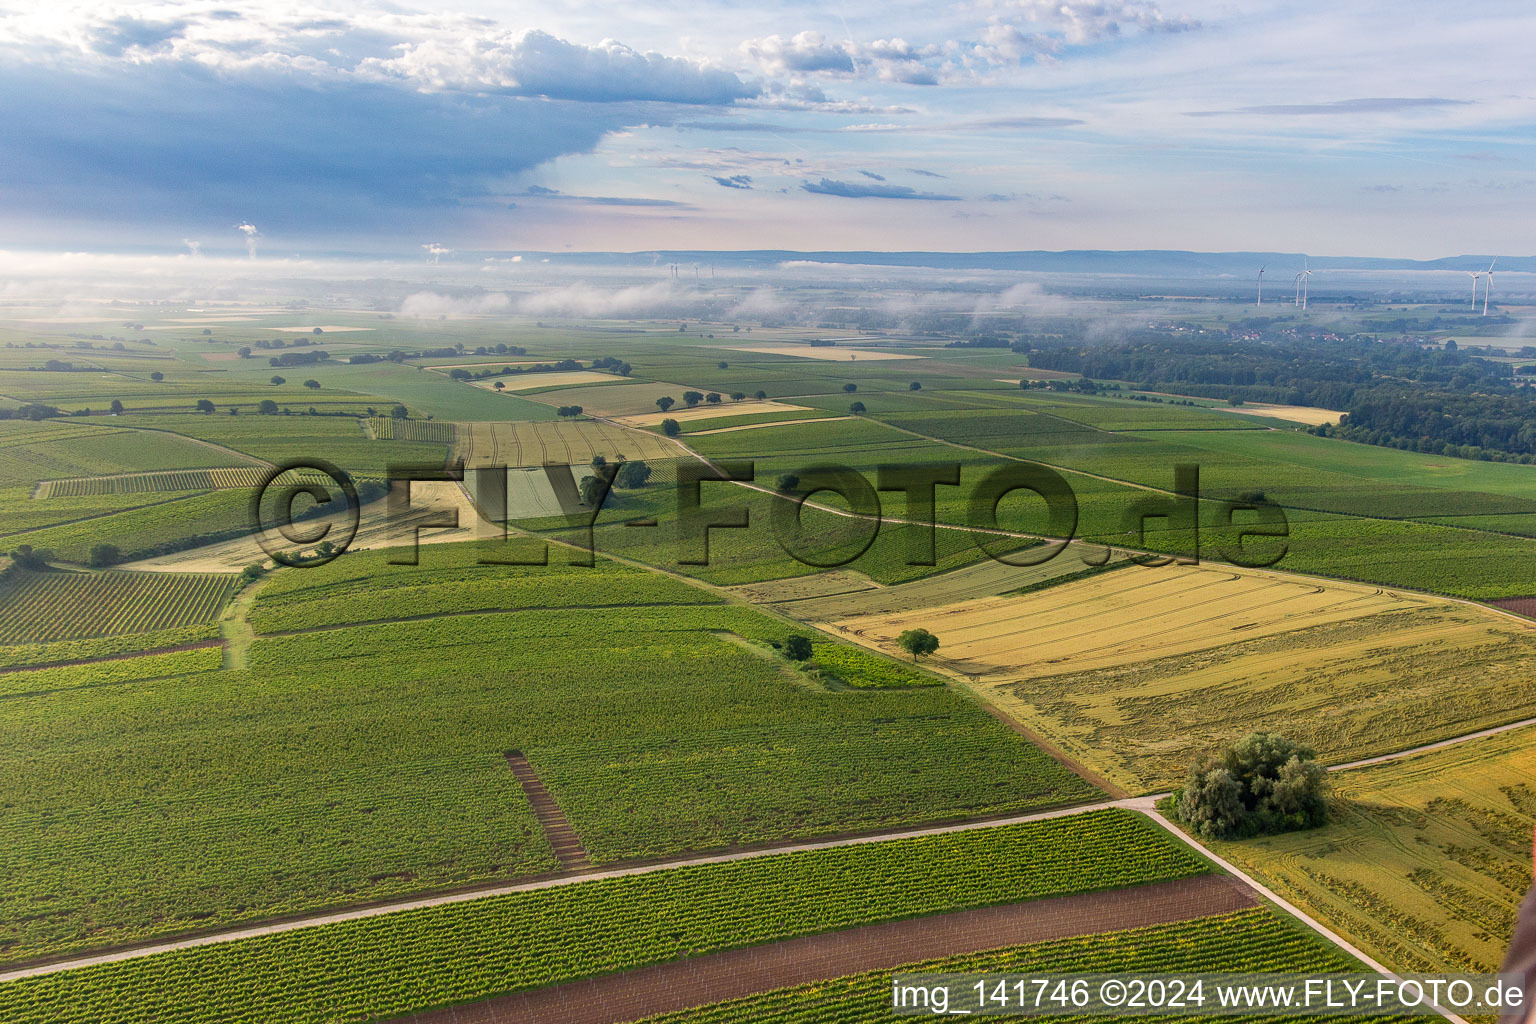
458 772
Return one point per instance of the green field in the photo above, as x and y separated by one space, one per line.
1247 941
36 607
423 958
347 764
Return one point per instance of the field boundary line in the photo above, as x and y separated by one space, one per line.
75 961
1431 747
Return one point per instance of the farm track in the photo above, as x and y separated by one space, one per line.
557 828
1142 804
715 977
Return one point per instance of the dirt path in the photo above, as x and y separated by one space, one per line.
557 828
236 628
631 995
1426 748
35 969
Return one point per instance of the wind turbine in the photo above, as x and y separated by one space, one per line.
1261 288
1476 276
1488 288
1302 279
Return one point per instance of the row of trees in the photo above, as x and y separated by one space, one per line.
691 399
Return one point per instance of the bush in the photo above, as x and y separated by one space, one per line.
797 648
103 555
1261 784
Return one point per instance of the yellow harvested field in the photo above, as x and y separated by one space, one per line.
1136 670
768 423
828 353
1295 413
612 399
557 379
1128 615
327 328
488 363
710 412
534 443
1423 862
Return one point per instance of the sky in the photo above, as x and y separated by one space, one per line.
275 128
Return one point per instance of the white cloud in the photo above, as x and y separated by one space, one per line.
535 63
802 52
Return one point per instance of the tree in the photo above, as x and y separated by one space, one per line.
723 365
116 407
857 408
1262 783
103 555
665 402
157 375
28 558
797 647
850 388
569 411
267 407
737 396
760 395
632 475
399 412
313 385
498 385
244 351
203 405
916 385
918 642
318 330
592 490
692 398
279 381
713 398
253 572
671 427
599 461
787 483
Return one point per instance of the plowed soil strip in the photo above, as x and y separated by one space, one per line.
567 845
632 995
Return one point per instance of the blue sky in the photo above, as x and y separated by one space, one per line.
1400 128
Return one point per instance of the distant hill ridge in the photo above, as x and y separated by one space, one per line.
1150 262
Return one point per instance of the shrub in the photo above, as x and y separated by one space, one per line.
1261 784
103 555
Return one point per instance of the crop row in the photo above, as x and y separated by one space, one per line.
389 429
397 963
363 762
17 655
863 670
1257 940
364 586
161 480
39 607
